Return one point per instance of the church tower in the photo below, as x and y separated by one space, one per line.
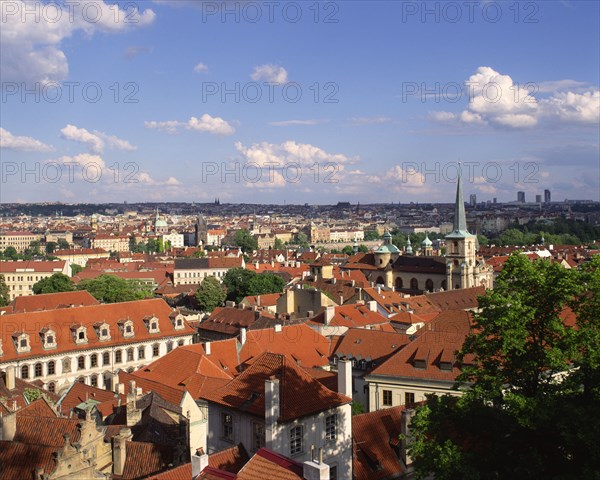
460 247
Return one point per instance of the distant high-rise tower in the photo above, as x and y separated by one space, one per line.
538 199
473 200
547 197
521 197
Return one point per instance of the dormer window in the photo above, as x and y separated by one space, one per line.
446 366
102 331
22 342
48 338
79 334
177 320
152 324
126 328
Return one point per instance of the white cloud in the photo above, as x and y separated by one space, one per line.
201 68
496 100
206 123
95 140
134 51
370 120
84 160
23 144
288 123
31 51
269 73
214 125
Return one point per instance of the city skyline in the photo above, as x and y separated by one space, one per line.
365 103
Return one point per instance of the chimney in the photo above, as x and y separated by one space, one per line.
199 462
10 377
240 306
310 314
258 300
229 304
9 426
277 327
378 289
207 348
334 280
315 469
345 377
120 388
134 414
405 431
372 306
243 333
271 410
329 314
119 450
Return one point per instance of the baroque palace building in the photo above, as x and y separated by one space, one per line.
461 267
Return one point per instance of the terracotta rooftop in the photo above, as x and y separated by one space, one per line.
52 301
143 459
19 460
266 464
370 345
300 393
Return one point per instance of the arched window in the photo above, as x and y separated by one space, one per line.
399 283
130 355
118 356
94 380
380 280
444 285
155 350
81 363
37 370
81 380
51 387
25 371
51 367
106 358
429 285
455 247
93 360
414 284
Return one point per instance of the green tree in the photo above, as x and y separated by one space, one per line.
371 235
265 283
63 244
244 240
10 253
520 418
112 289
199 254
32 394
236 281
348 250
57 282
210 294
278 244
35 247
483 240
363 248
301 239
51 247
4 297
75 269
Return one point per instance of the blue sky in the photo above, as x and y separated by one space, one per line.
389 90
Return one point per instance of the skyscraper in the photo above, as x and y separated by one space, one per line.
547 197
473 199
521 197
538 199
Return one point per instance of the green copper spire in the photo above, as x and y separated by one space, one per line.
460 218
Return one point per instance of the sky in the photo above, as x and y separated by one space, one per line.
298 102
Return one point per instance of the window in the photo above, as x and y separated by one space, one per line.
25 371
333 472
66 365
409 398
51 387
37 370
414 284
81 336
387 398
227 426
181 343
106 358
51 368
23 343
331 427
128 329
155 350
118 356
81 380
141 353
258 436
93 360
104 332
153 326
429 285
130 355
94 380
296 440
80 363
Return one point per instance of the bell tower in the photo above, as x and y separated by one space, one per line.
460 247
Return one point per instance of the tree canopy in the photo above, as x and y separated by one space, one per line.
533 406
4 297
210 294
245 240
111 289
58 282
241 282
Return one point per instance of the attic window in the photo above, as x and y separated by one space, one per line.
79 334
420 364
446 366
22 342
48 338
127 329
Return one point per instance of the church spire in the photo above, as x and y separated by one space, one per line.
460 218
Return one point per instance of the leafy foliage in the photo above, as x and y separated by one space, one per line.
4 296
244 240
241 283
32 394
210 294
55 283
111 289
75 269
533 409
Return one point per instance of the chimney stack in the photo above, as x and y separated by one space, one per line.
10 377
9 426
405 430
207 348
243 333
272 410
345 377
120 450
372 305
199 462
315 469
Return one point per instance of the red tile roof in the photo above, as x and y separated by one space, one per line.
183 472
370 345
80 392
38 408
144 459
52 301
461 299
46 431
300 393
231 459
19 460
266 464
62 320
372 436
300 343
34 265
